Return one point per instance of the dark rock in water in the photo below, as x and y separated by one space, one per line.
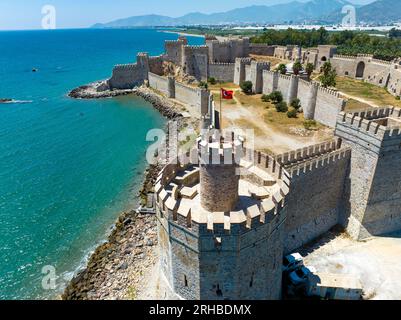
34 70
5 100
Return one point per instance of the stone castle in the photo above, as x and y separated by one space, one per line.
224 226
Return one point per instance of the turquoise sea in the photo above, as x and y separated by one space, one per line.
67 167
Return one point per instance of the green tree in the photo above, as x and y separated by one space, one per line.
292 113
266 98
276 97
246 87
328 78
296 104
212 80
282 68
203 85
297 67
282 107
309 69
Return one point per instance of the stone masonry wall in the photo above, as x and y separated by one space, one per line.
261 49
374 191
245 266
316 200
222 71
328 105
158 83
197 99
126 76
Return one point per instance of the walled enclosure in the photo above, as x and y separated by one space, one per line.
353 181
318 103
378 72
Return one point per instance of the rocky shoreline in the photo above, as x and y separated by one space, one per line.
100 90
117 268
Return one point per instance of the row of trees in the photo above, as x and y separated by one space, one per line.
348 42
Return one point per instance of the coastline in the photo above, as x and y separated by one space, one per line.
119 269
183 34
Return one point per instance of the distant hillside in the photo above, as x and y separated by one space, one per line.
378 12
283 13
382 11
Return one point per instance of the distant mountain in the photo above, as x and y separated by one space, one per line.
283 13
382 11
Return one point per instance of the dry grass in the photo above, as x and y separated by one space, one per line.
269 114
353 105
274 61
367 91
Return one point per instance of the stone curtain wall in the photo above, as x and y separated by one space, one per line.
197 99
126 76
378 72
374 192
261 49
318 103
394 85
228 51
195 61
316 200
222 71
158 83
156 65
328 105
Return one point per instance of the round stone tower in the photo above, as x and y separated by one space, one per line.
219 175
212 222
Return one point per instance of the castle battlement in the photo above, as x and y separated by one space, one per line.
195 47
222 64
363 55
329 91
290 158
389 63
323 160
372 126
287 77
125 66
342 56
176 185
309 83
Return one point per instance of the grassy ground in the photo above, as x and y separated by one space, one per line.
269 113
353 105
366 91
274 61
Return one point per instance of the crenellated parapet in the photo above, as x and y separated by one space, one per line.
323 160
291 158
180 188
328 91
378 130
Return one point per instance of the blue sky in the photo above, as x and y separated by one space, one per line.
26 14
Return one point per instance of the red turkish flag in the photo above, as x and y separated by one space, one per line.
227 94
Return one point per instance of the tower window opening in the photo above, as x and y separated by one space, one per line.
185 281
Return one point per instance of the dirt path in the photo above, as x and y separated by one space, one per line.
267 137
